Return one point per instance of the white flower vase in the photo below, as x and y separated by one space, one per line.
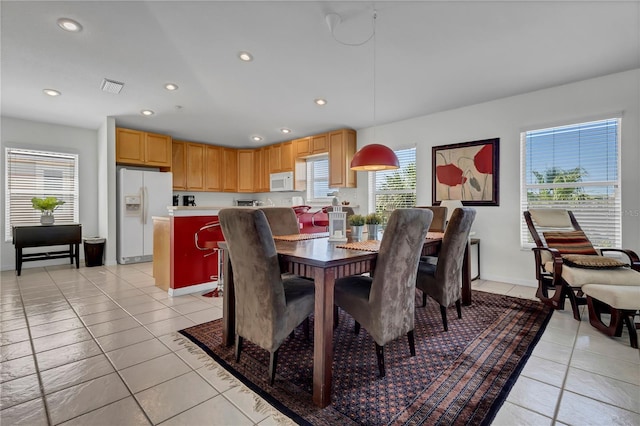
47 219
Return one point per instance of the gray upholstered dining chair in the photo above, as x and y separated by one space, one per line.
268 308
385 304
443 281
439 222
282 220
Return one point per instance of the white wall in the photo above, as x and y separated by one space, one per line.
18 133
498 227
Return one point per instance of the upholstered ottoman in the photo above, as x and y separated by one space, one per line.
620 301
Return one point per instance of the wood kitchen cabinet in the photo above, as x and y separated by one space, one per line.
229 170
179 165
245 170
318 144
134 147
213 168
342 148
301 147
287 160
275 163
265 169
195 154
260 172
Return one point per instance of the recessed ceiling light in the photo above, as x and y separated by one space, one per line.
256 138
171 87
51 92
69 25
245 56
285 130
320 101
147 112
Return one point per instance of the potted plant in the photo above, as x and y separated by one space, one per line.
357 224
46 206
373 221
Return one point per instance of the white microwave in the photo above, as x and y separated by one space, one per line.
281 181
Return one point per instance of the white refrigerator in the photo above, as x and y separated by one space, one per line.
141 195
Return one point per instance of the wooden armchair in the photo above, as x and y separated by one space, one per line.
561 247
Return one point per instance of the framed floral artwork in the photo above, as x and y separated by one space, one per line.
466 171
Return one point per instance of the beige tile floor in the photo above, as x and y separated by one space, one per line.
98 346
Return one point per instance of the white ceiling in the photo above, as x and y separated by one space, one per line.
430 56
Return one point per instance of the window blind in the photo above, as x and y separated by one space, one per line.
318 179
575 167
392 189
39 174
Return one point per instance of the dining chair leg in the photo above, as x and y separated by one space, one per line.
238 347
412 343
443 313
336 317
380 355
273 361
356 328
424 299
459 308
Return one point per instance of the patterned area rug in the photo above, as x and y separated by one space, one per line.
457 377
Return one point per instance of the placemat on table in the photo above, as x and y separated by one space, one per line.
300 237
368 245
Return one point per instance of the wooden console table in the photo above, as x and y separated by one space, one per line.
37 235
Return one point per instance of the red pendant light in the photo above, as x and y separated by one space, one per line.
375 157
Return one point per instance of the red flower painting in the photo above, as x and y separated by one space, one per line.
466 171
483 160
450 175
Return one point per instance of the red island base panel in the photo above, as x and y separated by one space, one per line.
191 266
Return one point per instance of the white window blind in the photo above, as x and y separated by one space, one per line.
39 174
575 167
318 179
392 189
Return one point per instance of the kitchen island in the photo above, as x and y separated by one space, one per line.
179 266
182 267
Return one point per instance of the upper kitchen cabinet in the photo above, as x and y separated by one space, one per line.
342 148
318 144
188 166
246 170
135 147
213 168
275 161
229 170
179 165
195 154
301 147
260 170
286 157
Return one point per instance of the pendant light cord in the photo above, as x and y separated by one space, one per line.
375 16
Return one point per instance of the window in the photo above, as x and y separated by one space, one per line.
39 174
391 189
318 179
576 168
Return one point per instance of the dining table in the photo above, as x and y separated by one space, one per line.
323 261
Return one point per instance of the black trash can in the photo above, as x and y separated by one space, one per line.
93 251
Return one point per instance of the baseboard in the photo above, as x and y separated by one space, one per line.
193 289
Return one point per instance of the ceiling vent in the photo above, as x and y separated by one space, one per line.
111 86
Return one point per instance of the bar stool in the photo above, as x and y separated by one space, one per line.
212 247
